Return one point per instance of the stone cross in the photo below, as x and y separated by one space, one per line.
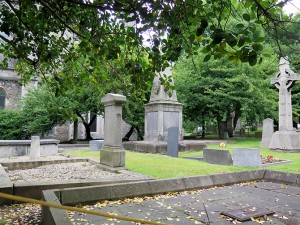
283 81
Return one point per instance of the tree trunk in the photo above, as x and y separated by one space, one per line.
87 126
220 127
75 132
129 133
140 135
203 129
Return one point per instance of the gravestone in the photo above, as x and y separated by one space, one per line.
226 135
217 156
112 153
172 147
268 130
96 145
35 148
286 138
246 157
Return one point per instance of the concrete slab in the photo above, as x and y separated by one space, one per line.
5 185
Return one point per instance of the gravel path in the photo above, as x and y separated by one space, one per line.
66 171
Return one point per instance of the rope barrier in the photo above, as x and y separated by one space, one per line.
48 204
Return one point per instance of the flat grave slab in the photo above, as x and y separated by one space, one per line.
188 207
247 213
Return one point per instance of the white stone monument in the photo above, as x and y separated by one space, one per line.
162 112
286 138
35 148
267 132
112 153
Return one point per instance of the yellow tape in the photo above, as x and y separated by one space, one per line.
48 204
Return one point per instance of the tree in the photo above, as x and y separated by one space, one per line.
40 32
223 91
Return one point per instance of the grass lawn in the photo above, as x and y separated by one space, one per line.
161 166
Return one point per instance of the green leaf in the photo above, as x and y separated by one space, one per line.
246 17
206 58
240 25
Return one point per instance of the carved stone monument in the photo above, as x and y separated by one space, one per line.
286 138
267 132
112 153
162 112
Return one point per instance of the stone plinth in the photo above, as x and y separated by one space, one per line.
288 141
113 154
159 117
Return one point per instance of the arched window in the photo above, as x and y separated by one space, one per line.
2 98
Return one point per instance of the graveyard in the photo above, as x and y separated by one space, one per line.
149 112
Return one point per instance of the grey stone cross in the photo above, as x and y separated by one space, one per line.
283 81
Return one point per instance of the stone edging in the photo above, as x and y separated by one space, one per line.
71 196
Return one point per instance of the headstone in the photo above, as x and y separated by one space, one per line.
268 130
246 157
172 147
216 156
112 153
226 135
96 145
35 148
286 138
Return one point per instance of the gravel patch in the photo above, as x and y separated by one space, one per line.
66 172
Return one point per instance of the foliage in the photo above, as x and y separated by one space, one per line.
12 125
40 111
43 110
40 32
222 90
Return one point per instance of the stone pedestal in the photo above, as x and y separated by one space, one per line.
288 141
162 112
113 153
35 148
159 117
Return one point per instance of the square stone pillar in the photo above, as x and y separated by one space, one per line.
112 153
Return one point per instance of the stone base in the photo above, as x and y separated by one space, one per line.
161 147
112 156
287 141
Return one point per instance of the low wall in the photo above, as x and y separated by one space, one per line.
72 196
12 148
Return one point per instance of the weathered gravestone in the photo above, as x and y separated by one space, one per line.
246 157
96 145
216 156
35 148
172 147
286 138
112 153
268 130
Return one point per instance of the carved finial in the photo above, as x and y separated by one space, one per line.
284 61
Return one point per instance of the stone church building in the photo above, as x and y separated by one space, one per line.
11 92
